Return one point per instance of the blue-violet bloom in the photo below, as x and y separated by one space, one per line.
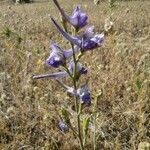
82 92
79 68
78 18
84 95
86 42
58 56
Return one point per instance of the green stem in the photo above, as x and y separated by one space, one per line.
94 137
77 105
74 79
67 70
94 121
73 130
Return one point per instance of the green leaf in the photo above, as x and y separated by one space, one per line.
66 115
86 122
98 95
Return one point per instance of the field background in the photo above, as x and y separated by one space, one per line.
120 69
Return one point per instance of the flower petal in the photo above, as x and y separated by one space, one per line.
54 61
99 38
89 32
94 42
80 69
57 57
78 19
69 52
84 95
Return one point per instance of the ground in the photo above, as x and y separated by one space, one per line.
120 69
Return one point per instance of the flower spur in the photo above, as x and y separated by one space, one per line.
80 70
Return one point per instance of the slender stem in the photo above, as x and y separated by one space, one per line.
94 121
67 70
84 140
73 130
94 137
77 105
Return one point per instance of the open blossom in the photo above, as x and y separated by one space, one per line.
84 95
63 126
86 42
78 19
58 56
80 70
91 41
82 92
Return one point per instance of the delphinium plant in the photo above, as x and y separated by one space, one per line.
69 61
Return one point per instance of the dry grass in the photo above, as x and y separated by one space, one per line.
121 69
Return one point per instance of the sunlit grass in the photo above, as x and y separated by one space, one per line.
120 69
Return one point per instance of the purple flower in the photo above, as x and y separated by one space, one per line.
80 70
78 18
91 41
82 92
58 56
63 127
86 42
84 95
